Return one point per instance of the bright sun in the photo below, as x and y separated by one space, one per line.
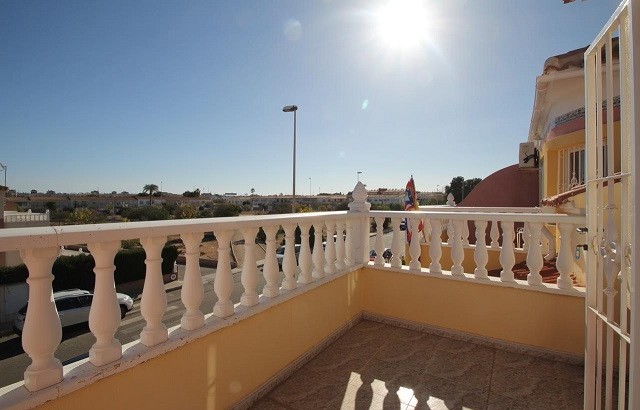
403 23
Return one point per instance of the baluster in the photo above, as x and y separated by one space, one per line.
154 297
449 232
330 252
480 254
289 266
223 281
249 275
495 235
270 268
104 316
465 233
457 252
565 257
349 244
427 232
304 258
379 260
192 289
414 246
42 332
318 252
340 251
534 255
507 256
396 243
435 250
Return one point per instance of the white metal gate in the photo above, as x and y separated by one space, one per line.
612 354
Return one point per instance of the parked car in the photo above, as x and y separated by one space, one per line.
73 307
280 254
387 254
403 226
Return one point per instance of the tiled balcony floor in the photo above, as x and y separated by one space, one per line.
377 366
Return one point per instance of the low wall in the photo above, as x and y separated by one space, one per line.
225 366
220 369
532 318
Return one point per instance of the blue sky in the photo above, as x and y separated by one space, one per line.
114 95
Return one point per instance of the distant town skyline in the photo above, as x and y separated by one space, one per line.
115 95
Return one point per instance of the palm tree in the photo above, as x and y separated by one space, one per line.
150 188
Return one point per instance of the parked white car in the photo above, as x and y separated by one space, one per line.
73 307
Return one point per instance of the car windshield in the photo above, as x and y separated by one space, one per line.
280 250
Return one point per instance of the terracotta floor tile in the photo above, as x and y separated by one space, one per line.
379 366
462 367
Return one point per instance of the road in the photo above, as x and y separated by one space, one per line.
77 340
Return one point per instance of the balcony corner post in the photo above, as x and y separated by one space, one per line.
360 242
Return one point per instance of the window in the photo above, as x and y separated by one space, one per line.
66 304
572 167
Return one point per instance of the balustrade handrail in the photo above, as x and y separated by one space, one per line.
12 239
487 216
484 209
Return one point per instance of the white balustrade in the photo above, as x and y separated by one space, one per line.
348 246
249 275
318 252
534 255
304 259
465 233
340 248
526 237
495 235
507 255
379 259
396 243
104 316
480 255
154 298
289 265
192 289
42 331
414 245
564 262
330 251
270 268
223 281
435 250
457 251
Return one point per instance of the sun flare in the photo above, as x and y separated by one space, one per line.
403 23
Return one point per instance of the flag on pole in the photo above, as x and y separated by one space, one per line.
411 204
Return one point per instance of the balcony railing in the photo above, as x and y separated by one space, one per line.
26 217
346 252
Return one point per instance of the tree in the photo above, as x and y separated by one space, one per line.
253 191
150 188
460 187
223 210
192 194
186 212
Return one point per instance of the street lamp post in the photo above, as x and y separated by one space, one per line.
309 186
293 109
4 168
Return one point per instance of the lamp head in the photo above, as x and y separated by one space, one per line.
290 108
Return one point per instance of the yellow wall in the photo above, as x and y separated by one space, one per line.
532 318
224 367
468 263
